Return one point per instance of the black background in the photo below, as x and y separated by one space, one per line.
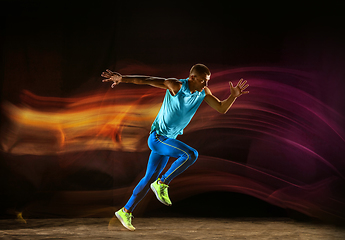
59 48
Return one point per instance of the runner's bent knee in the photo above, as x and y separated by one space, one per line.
193 156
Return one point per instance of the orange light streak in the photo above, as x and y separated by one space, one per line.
99 121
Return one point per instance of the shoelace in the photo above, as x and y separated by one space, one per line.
163 188
129 216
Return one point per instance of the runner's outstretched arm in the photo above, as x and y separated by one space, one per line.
172 84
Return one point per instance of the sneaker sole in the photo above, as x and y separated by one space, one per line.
155 192
122 222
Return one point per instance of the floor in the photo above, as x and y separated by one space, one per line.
169 228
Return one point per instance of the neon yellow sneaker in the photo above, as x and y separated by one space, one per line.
161 192
125 219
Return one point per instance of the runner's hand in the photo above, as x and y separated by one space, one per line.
239 89
115 77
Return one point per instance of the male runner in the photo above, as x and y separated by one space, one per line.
183 97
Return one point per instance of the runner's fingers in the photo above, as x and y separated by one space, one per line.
243 83
244 87
105 74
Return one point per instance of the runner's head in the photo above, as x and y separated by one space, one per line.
199 69
199 76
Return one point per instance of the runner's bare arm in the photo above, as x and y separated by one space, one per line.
224 106
172 84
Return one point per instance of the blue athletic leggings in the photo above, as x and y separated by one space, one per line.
161 149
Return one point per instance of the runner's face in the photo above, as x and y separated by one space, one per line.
201 81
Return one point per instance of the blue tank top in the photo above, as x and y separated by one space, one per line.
177 111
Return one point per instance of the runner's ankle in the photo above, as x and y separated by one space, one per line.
160 182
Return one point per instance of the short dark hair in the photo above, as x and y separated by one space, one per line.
200 68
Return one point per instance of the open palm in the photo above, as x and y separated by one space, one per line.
115 77
239 89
